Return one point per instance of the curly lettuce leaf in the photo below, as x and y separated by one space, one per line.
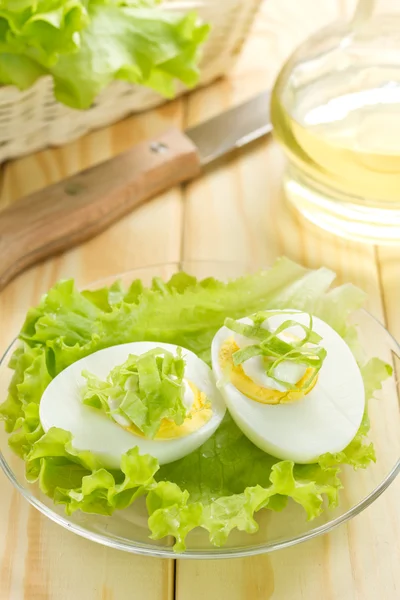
76 480
145 46
223 484
240 480
85 45
170 513
19 70
72 325
41 31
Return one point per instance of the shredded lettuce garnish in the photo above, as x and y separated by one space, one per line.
144 390
220 486
274 350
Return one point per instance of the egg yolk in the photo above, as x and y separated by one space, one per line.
244 384
198 416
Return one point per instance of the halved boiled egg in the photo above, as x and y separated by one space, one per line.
297 421
61 406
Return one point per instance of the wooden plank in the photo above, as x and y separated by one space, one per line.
38 559
237 212
78 208
389 270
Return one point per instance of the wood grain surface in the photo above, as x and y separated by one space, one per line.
234 212
76 209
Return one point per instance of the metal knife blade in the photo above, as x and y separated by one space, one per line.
232 129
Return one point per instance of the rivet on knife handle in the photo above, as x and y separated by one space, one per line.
78 208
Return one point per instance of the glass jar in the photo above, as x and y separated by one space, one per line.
336 111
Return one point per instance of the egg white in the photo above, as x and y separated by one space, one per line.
325 420
61 406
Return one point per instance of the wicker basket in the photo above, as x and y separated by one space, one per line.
33 119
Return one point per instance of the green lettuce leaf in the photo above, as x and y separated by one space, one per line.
171 514
86 44
139 45
76 480
241 479
42 30
19 70
225 482
72 324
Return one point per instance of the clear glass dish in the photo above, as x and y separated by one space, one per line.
127 530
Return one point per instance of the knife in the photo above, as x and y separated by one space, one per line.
75 209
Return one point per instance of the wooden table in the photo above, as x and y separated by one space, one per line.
235 211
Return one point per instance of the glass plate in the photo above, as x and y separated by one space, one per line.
127 530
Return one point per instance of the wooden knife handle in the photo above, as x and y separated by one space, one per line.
78 208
